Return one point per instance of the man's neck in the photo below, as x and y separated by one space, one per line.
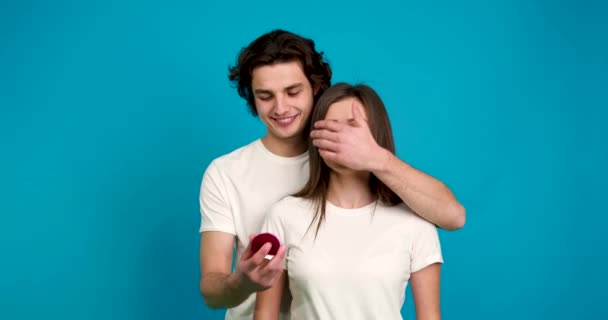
285 147
349 190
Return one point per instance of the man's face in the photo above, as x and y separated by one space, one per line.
283 98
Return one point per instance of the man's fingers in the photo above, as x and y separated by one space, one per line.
330 125
278 259
358 116
328 155
325 144
325 134
258 257
356 111
274 268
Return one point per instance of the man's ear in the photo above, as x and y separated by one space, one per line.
316 89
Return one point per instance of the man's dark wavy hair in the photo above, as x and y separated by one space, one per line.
275 47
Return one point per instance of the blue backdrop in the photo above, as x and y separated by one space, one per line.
111 110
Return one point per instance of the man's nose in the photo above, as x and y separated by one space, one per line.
281 105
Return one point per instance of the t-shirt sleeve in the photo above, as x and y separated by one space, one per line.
216 214
426 248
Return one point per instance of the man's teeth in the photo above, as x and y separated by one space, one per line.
285 119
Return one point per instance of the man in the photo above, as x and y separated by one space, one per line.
281 75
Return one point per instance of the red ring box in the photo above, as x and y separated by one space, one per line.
259 240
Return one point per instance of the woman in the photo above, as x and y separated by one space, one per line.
352 244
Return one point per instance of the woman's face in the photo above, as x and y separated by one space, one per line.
342 111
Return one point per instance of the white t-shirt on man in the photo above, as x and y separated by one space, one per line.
360 263
237 191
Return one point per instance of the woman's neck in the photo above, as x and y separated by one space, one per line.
350 190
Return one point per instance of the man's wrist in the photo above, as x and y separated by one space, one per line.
235 282
382 162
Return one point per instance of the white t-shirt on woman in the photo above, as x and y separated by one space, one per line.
360 263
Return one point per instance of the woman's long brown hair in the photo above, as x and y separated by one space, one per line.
317 186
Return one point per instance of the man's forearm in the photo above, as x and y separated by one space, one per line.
425 195
222 290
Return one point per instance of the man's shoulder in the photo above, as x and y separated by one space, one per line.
231 163
236 159
243 153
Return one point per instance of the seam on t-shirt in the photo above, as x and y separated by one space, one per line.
204 229
436 258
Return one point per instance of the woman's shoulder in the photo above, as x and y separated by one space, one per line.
403 213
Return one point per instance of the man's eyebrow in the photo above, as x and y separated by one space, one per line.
289 88
294 86
262 91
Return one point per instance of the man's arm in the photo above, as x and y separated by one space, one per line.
222 288
353 146
425 195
